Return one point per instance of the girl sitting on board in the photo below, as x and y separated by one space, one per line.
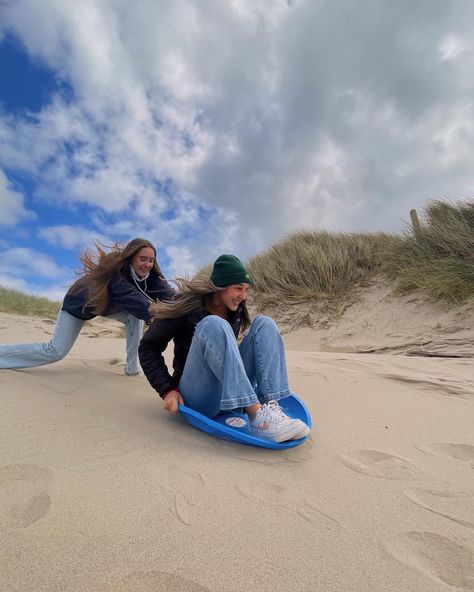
211 372
121 284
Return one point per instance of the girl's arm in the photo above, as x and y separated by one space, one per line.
159 289
125 296
150 351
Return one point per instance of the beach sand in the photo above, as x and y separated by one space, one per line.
101 490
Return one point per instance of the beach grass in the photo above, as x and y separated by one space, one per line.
16 302
316 265
436 258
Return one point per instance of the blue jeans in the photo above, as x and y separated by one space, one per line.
219 375
68 327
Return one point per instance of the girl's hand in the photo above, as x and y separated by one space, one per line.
171 401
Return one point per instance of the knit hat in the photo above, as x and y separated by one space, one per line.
229 270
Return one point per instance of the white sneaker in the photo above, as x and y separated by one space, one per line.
270 422
304 430
132 373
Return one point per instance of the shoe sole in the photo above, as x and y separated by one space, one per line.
304 430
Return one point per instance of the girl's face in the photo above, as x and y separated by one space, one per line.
142 262
233 295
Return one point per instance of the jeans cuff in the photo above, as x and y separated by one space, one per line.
245 401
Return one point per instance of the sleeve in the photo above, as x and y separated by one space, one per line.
159 289
165 291
124 296
150 352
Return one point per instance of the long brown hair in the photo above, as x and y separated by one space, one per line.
101 266
190 296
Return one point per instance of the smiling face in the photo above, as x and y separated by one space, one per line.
232 296
142 262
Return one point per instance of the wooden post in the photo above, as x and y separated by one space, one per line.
415 222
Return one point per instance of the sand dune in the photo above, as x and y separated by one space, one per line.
101 490
379 321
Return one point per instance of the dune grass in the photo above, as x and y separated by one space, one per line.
310 265
308 278
16 302
437 257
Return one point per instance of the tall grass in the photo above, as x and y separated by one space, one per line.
437 258
16 302
316 270
316 266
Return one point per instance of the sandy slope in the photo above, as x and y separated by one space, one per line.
101 490
382 322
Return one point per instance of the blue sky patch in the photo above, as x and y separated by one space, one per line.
26 84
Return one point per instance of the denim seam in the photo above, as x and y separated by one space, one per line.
215 352
261 366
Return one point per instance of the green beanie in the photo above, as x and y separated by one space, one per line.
229 270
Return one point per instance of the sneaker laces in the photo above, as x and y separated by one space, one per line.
272 412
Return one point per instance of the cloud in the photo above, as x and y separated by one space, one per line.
218 127
72 237
51 292
182 262
16 261
12 210
32 272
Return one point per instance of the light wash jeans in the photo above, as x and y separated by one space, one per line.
68 327
219 375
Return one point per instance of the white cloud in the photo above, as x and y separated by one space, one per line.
20 260
182 262
14 283
51 292
212 127
12 209
452 47
72 237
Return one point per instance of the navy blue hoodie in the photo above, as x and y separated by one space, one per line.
125 294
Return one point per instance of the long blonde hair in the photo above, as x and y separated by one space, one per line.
101 267
191 296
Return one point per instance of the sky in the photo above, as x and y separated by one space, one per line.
220 126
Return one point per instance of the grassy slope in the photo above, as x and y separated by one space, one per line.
437 258
16 302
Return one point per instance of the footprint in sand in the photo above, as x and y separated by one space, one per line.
157 581
102 364
441 558
184 492
459 388
381 464
24 497
289 500
455 505
457 451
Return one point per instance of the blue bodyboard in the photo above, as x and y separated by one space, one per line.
233 426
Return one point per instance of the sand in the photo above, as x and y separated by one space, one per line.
101 490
